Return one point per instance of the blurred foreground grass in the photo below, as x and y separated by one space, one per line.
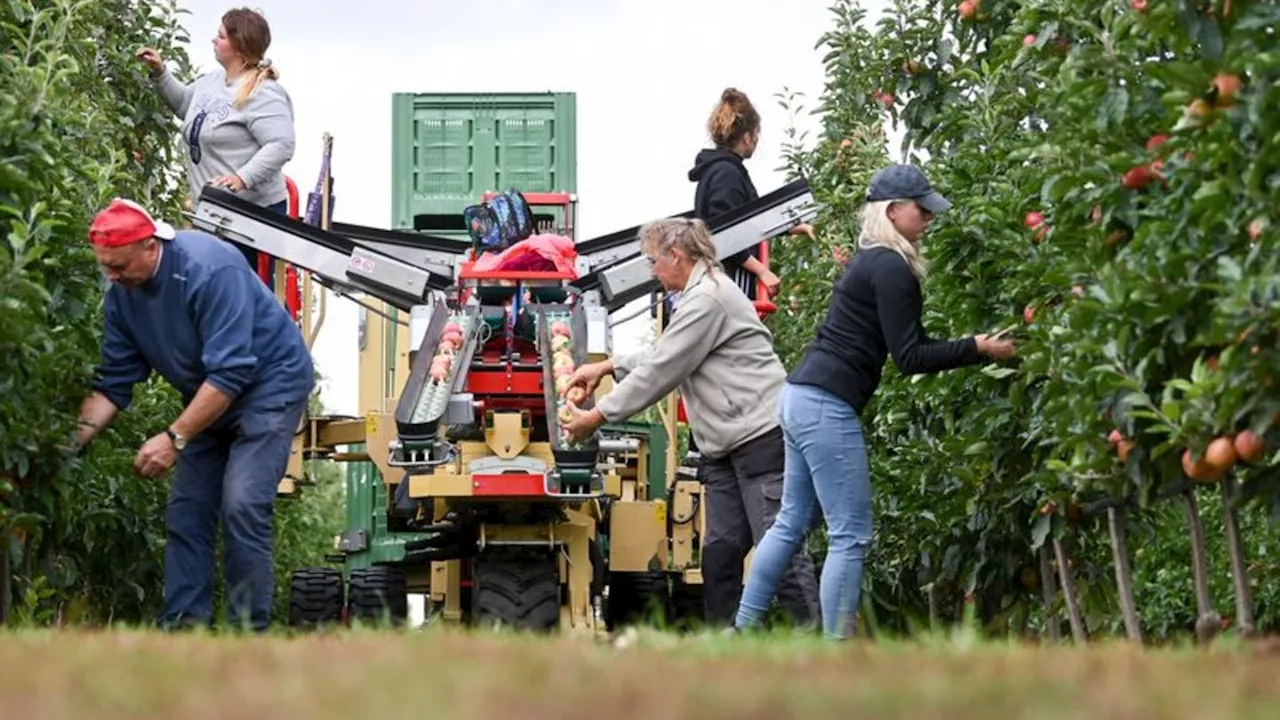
446 674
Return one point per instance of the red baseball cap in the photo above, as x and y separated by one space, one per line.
124 222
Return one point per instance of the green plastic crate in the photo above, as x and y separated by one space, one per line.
448 149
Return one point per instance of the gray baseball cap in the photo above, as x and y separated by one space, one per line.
906 182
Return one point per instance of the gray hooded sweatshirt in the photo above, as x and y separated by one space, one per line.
253 142
721 357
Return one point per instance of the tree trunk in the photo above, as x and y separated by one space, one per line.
1208 622
934 610
1239 573
1069 594
1048 591
6 576
1124 575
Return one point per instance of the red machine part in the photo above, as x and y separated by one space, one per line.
506 387
764 304
467 273
292 293
505 382
508 485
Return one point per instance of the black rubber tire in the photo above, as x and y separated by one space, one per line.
637 598
516 589
378 594
688 613
315 597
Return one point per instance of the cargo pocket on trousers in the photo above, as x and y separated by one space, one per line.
772 492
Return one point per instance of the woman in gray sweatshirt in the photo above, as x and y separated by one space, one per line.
720 355
237 120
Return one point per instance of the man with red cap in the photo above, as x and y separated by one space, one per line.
186 305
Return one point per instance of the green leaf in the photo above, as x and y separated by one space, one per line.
1040 531
1138 400
1211 40
1113 108
1229 269
998 372
1260 16
1054 188
26 521
1177 72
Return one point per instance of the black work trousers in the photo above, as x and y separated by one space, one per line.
743 491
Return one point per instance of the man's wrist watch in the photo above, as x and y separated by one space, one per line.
179 440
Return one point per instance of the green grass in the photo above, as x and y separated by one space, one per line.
446 674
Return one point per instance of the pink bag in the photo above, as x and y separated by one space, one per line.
539 253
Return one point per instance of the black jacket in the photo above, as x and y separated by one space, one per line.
723 184
875 312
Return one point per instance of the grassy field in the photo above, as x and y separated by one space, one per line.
449 674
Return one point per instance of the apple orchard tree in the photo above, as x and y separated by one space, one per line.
1115 168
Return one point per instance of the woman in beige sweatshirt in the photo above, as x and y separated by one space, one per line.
720 355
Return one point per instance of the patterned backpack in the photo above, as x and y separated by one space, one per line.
500 223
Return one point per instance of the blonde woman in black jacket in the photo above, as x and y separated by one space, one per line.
875 313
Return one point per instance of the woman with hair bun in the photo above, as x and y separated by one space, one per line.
237 119
724 183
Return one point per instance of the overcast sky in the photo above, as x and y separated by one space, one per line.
647 76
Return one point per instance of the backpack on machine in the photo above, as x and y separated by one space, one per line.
500 223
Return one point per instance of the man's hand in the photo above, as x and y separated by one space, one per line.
588 376
583 423
96 412
155 456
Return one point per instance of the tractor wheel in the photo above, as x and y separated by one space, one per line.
378 594
516 588
315 597
687 612
637 597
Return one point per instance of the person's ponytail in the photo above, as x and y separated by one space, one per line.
250 35
734 118
257 75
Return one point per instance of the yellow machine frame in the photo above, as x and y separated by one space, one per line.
637 523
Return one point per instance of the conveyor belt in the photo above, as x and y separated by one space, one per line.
440 255
561 336
402 268
426 394
387 272
620 239
617 270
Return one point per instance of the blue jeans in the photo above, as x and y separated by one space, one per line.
229 473
826 458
